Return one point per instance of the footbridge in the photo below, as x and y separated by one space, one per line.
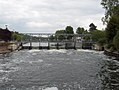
56 41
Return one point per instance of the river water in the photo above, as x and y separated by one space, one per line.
58 70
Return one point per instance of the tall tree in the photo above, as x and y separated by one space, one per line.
92 27
109 6
112 28
69 30
80 30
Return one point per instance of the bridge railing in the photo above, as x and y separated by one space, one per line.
67 39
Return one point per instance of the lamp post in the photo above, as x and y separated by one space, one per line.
6 26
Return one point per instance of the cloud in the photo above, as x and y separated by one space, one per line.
34 24
50 15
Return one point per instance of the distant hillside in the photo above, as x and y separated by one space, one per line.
5 35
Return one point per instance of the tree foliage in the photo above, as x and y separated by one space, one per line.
92 27
110 7
97 35
69 30
80 30
116 41
52 38
16 36
112 28
59 34
102 41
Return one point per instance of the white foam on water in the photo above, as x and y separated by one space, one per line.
33 50
85 50
52 88
116 71
34 53
40 60
60 51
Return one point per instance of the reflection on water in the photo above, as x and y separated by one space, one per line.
58 70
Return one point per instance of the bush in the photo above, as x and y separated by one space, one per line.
109 45
116 41
102 41
112 49
98 34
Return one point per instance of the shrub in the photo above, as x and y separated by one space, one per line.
102 41
116 41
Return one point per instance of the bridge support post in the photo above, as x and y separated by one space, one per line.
39 42
40 39
57 45
30 47
48 42
66 46
75 42
90 42
82 46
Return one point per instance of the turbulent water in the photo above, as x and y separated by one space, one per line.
58 70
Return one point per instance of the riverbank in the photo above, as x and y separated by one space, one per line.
4 49
113 54
7 47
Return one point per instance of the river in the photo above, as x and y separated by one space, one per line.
58 70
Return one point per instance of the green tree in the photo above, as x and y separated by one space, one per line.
69 30
112 28
80 30
52 37
98 34
59 34
116 41
16 36
110 7
92 27
102 41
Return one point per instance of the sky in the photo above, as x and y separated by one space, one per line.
50 15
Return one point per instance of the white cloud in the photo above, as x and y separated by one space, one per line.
50 15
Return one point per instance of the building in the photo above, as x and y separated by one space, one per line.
5 35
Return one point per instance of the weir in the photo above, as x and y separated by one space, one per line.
57 41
